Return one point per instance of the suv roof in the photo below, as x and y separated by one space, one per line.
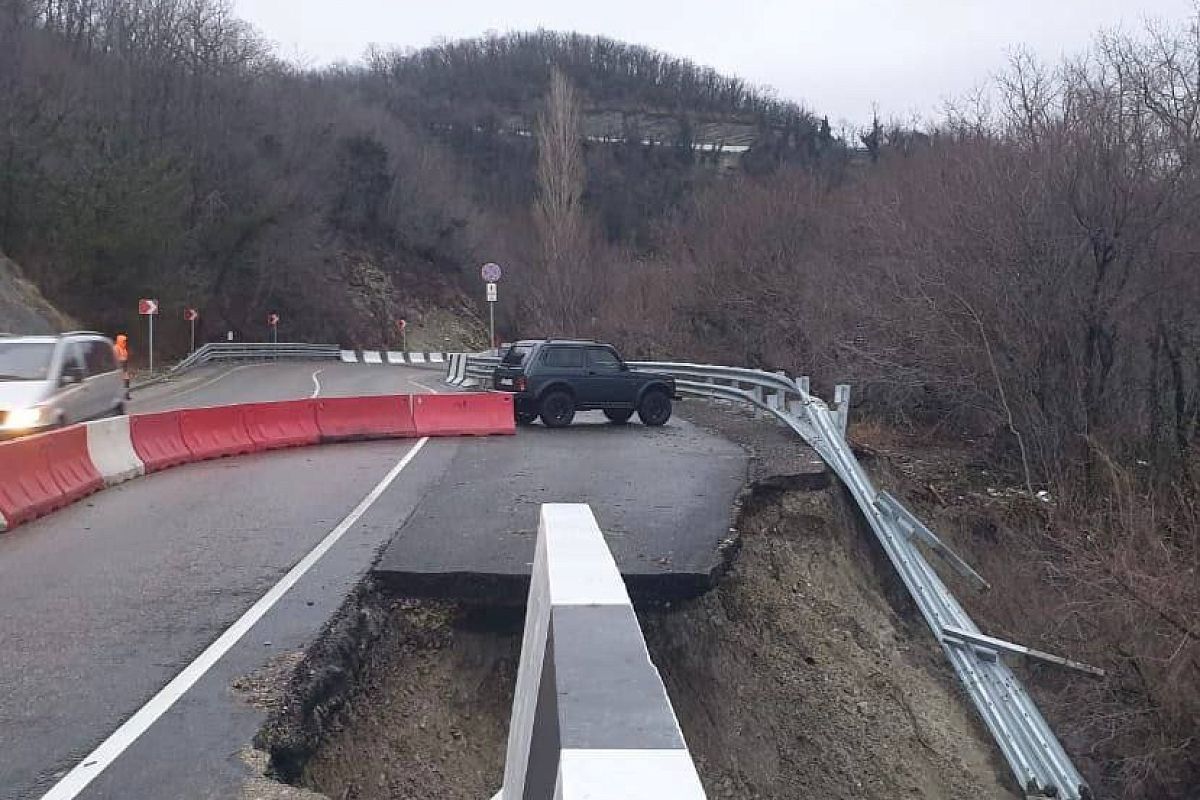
531 342
36 338
44 338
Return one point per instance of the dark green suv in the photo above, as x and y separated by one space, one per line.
553 379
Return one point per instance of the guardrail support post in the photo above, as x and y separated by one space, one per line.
841 403
803 384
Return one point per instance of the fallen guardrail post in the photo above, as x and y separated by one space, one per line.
590 717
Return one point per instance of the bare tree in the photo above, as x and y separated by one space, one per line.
561 291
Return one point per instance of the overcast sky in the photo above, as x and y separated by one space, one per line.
837 57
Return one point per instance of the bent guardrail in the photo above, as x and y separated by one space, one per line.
590 716
1036 757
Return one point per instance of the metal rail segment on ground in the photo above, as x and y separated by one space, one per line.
1033 752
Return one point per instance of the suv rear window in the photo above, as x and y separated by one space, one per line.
603 359
515 355
563 357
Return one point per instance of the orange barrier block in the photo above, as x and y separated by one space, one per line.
158 440
464 414
27 486
383 417
291 423
70 463
215 432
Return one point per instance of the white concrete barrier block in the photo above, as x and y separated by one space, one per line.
372 357
349 357
437 358
416 358
110 446
580 566
591 719
627 775
395 357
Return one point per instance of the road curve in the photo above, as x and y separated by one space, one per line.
108 600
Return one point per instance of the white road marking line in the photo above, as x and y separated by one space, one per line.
111 748
316 384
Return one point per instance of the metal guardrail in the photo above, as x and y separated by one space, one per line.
257 351
1033 752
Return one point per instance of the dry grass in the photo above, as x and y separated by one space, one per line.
1109 576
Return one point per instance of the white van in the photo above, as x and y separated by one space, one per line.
51 381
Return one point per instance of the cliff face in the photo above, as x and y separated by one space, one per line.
22 307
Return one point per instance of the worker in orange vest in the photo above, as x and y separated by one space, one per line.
121 351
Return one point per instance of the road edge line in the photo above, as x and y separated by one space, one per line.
93 765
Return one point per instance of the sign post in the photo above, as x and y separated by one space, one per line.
149 310
491 301
191 315
402 325
273 321
491 273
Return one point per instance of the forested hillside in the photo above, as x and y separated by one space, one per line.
160 148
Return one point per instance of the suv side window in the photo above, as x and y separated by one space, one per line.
563 358
100 359
603 360
74 362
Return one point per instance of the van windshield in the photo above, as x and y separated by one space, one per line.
515 355
25 361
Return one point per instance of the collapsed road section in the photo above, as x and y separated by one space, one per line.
805 672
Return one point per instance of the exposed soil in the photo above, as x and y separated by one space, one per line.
806 673
797 678
400 699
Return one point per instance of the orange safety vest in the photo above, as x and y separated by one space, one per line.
121 350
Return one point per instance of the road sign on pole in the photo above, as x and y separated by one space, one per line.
491 272
491 301
191 315
273 321
402 325
149 310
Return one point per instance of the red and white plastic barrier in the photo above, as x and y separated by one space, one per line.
110 446
292 423
466 414
158 440
45 472
215 432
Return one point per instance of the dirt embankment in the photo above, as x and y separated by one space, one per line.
806 673
22 307
798 678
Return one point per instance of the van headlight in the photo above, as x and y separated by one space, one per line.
19 419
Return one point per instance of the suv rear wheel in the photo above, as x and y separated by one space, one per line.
655 408
557 410
618 416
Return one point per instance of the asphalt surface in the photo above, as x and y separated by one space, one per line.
663 498
106 601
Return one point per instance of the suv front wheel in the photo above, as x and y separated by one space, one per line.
557 410
655 408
